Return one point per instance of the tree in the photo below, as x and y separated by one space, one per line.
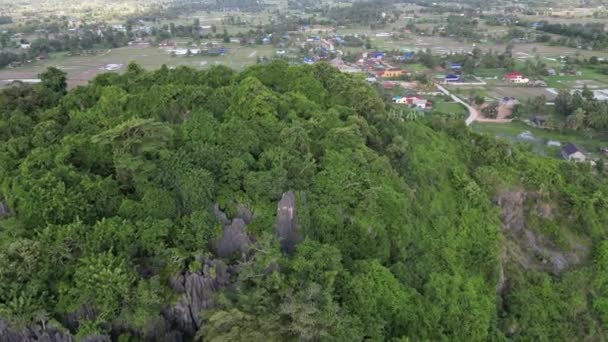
587 93
538 104
103 281
54 80
375 294
576 120
491 110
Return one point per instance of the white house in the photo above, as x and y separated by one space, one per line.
571 152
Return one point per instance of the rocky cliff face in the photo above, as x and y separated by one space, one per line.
531 249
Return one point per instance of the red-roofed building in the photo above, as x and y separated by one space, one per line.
413 100
516 77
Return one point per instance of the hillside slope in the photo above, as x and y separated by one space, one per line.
283 203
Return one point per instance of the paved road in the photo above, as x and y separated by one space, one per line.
473 113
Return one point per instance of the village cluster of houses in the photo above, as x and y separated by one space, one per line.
374 64
413 101
513 78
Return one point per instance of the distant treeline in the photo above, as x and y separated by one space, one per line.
74 43
589 35
5 19
364 13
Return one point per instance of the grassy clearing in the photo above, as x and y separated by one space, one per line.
497 72
589 141
440 106
416 67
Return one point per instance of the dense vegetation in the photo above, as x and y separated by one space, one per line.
125 197
592 35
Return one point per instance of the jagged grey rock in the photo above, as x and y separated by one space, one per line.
244 214
36 333
234 238
197 291
4 211
220 215
287 227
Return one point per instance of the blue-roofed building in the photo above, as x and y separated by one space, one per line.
376 54
406 56
455 66
450 78
537 24
308 60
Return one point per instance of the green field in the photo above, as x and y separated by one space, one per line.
441 106
590 142
589 76
416 67
498 72
80 69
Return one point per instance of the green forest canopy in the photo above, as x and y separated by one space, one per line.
144 206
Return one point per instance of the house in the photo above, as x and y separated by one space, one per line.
536 25
413 101
421 103
392 72
455 67
15 64
327 45
551 72
604 150
516 77
539 121
538 83
167 43
508 101
376 55
451 78
571 152
407 56
42 56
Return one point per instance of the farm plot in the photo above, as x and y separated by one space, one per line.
520 93
81 69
